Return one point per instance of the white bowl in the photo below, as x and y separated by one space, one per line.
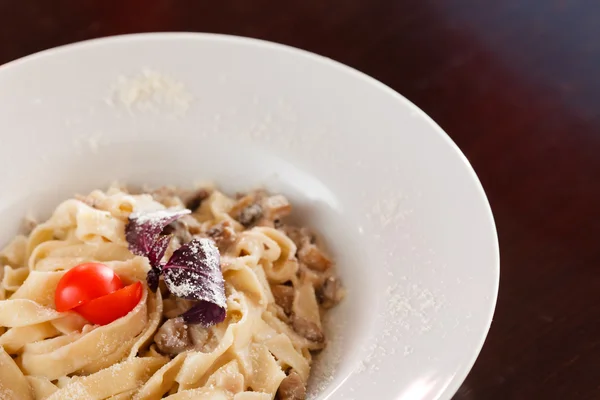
398 204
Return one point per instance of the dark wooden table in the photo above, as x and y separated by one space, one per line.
516 83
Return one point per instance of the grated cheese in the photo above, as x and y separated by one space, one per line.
151 90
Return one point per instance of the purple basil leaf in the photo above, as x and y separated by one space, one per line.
143 233
204 313
152 279
158 251
194 273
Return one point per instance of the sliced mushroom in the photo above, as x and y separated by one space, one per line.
284 297
257 208
184 229
292 388
276 207
308 252
244 203
307 329
179 232
172 337
250 215
299 236
194 199
223 234
313 257
171 196
330 293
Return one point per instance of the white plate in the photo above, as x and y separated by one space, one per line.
399 205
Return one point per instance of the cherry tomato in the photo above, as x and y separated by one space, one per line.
84 283
104 310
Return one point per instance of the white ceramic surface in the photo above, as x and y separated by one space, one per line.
398 204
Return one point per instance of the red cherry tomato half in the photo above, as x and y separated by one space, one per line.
84 283
110 307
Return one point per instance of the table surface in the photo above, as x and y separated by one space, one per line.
515 83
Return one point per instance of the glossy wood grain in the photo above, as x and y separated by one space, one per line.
516 83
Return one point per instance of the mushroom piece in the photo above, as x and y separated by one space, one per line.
172 337
184 229
276 207
330 293
313 257
223 234
257 208
179 232
308 251
250 215
292 388
247 210
307 329
194 199
284 297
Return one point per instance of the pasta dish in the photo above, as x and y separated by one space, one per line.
166 293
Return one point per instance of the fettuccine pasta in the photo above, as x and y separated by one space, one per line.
278 284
